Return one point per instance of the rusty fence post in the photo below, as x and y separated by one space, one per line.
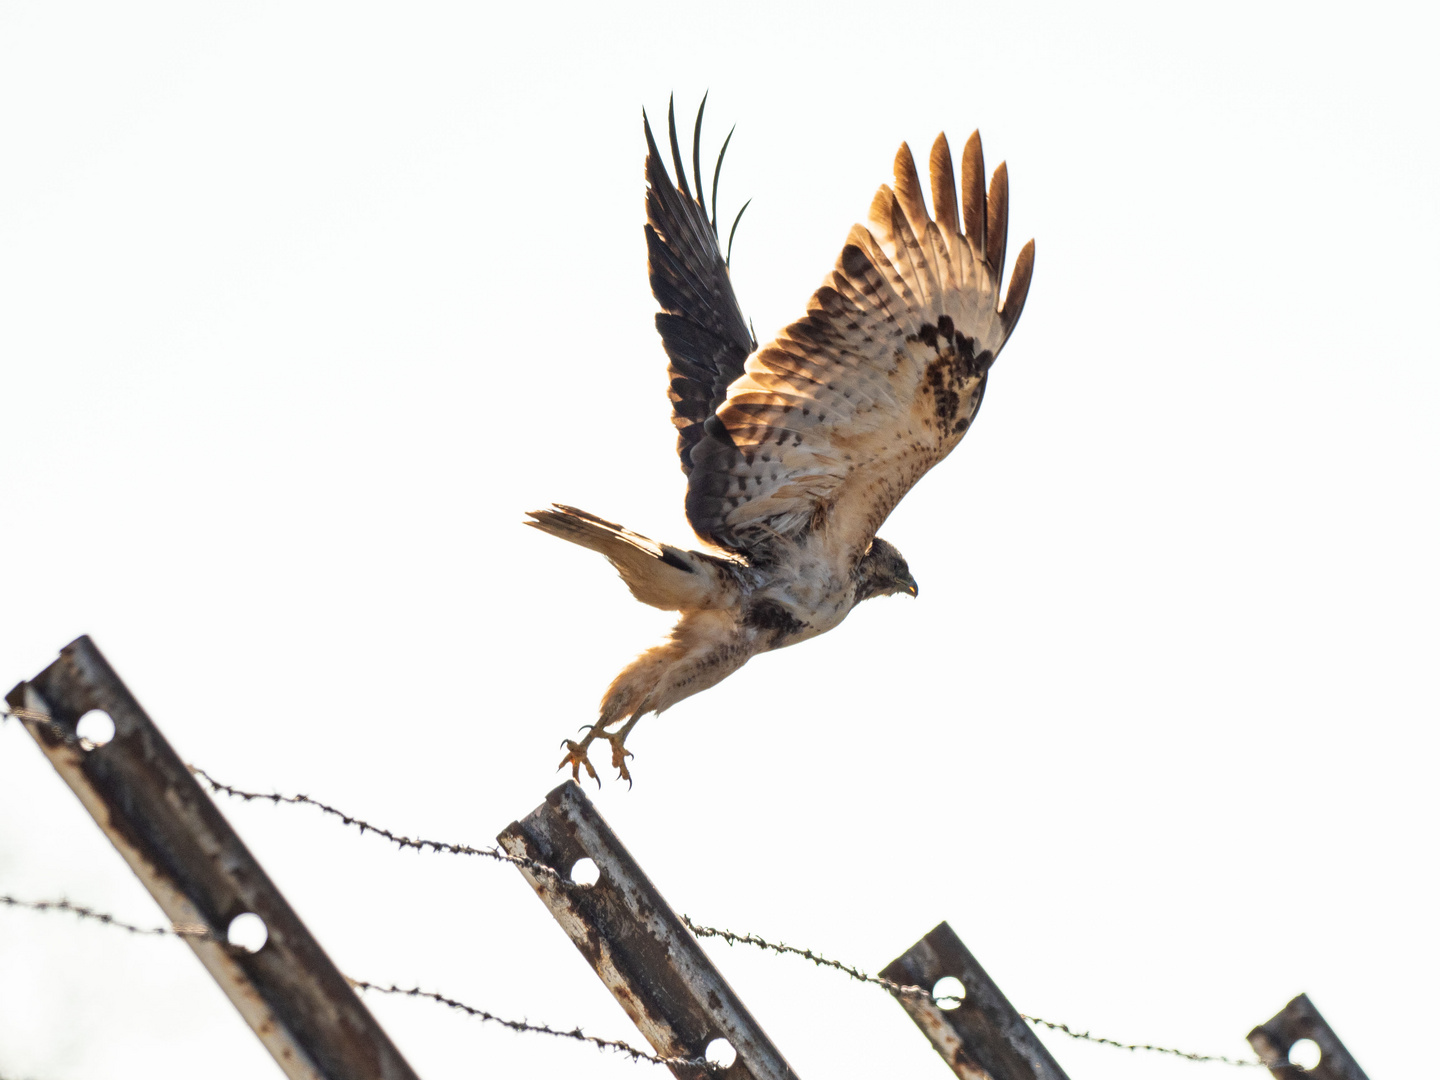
1274 1039
636 943
983 1038
200 873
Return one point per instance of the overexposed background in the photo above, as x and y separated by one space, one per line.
302 305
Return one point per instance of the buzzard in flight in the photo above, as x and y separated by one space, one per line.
797 452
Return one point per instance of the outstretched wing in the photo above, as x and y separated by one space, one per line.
838 417
699 320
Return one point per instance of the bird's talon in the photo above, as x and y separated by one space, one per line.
578 755
618 754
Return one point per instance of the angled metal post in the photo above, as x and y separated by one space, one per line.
182 849
636 944
1273 1040
984 1038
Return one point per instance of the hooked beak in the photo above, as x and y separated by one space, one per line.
910 587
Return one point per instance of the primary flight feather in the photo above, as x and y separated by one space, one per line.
797 452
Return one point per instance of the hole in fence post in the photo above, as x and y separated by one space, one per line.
1305 1054
720 1053
948 993
96 727
247 931
585 872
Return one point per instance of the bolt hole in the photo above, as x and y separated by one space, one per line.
585 872
948 993
95 728
1305 1054
720 1053
247 931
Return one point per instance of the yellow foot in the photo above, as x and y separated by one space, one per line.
579 754
618 754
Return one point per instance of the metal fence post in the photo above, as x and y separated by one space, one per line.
1274 1039
195 866
636 943
983 1038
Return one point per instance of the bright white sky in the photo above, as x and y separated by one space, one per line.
301 306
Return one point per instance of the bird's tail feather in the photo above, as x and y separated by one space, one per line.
662 576
587 530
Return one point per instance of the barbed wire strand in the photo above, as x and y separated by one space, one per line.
419 844
617 1045
83 912
729 936
80 911
1065 1029
732 938
443 847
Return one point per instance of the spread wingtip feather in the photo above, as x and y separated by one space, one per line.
908 191
997 221
942 185
1019 286
972 191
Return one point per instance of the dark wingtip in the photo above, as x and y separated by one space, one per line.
695 154
653 155
730 245
715 184
675 151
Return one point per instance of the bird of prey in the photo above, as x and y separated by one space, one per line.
797 452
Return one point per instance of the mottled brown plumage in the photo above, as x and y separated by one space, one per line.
797 452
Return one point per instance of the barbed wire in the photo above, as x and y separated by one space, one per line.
419 844
1085 1036
443 847
80 911
729 936
84 912
617 1045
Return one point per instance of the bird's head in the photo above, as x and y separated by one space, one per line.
882 571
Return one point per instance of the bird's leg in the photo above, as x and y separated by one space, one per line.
618 753
579 753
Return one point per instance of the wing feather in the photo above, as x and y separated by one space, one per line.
850 405
700 323
972 192
908 191
942 186
997 220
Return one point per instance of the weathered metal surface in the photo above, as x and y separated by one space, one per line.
179 845
1273 1039
636 944
984 1038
